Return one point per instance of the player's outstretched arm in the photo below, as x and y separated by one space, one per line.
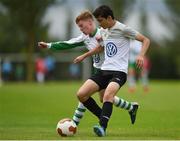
63 45
96 50
60 45
145 45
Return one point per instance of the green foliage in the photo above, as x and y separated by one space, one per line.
22 20
10 36
26 16
174 4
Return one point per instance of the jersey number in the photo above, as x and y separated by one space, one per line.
96 58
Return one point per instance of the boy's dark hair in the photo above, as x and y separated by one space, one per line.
103 11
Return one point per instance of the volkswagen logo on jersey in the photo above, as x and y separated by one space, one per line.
111 49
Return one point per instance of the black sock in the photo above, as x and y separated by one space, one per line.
106 114
92 106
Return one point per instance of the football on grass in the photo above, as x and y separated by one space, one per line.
66 127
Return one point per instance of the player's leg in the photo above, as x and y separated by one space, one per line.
79 113
80 110
121 103
131 78
84 96
131 107
144 80
117 101
116 82
107 108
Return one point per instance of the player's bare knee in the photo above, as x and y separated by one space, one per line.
81 95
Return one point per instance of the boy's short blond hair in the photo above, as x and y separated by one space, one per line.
84 16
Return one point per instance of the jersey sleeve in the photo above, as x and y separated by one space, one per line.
63 45
129 32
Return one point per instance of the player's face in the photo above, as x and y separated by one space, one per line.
103 22
86 26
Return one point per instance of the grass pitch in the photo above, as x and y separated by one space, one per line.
31 111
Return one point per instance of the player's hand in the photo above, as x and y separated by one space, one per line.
79 59
139 61
42 45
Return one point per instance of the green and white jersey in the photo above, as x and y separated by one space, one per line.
89 41
135 48
116 46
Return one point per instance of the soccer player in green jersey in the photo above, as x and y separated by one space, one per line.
88 38
135 74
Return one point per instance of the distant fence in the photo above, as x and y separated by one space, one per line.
64 68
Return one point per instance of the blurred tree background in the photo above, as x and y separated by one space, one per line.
21 28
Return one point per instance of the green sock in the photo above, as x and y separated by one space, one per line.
79 112
121 103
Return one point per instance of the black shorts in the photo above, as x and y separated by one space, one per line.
104 77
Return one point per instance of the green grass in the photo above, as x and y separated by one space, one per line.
31 111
